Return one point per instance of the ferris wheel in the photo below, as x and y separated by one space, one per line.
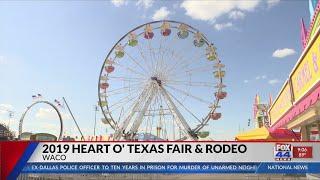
161 79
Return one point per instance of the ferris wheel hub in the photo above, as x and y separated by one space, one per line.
154 78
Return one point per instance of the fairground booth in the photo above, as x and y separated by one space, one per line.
297 105
296 108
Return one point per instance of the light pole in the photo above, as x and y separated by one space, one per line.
11 114
95 119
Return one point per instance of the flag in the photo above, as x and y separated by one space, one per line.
312 7
303 34
58 103
61 105
36 97
258 99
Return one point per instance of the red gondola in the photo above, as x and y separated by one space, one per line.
109 69
215 116
165 29
166 32
221 94
148 35
104 85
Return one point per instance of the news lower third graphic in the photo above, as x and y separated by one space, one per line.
285 152
217 88
164 157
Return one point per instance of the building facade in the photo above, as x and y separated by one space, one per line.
297 105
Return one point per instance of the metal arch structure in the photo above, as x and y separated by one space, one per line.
149 95
42 102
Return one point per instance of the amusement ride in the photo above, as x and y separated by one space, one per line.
161 79
41 102
23 135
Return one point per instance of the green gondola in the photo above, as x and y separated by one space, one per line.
211 56
183 34
132 42
198 43
119 54
203 134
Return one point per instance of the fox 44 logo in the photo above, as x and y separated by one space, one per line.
283 152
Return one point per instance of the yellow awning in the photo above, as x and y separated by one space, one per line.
254 134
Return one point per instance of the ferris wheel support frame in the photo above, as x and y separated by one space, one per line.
138 120
179 115
125 124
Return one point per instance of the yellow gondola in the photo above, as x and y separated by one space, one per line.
219 74
211 53
103 103
104 78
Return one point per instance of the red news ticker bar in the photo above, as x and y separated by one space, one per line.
302 152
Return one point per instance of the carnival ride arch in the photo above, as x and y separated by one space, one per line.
42 102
